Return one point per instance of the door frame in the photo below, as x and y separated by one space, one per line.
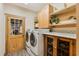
6 28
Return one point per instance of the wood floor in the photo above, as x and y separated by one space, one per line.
20 53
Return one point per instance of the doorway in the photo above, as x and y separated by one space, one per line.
15 33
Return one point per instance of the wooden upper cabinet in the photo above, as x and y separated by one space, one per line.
44 16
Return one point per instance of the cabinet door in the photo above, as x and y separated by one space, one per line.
40 19
50 46
50 41
43 16
65 47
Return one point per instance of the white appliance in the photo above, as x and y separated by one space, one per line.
34 42
28 39
28 49
38 47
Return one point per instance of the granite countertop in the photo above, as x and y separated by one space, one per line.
68 35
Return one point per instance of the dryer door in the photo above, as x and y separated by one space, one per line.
27 36
33 40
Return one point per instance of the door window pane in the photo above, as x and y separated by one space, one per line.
16 27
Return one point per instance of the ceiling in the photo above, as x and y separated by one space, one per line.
36 7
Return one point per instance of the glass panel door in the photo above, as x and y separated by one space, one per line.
49 46
63 48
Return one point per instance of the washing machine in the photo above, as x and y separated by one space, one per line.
28 49
28 37
37 41
34 42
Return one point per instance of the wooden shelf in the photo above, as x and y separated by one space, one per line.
68 9
63 25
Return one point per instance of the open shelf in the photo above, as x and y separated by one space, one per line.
63 15
65 10
63 25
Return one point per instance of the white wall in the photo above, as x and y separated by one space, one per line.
2 31
15 11
11 9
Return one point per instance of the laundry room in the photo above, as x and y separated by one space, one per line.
39 29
